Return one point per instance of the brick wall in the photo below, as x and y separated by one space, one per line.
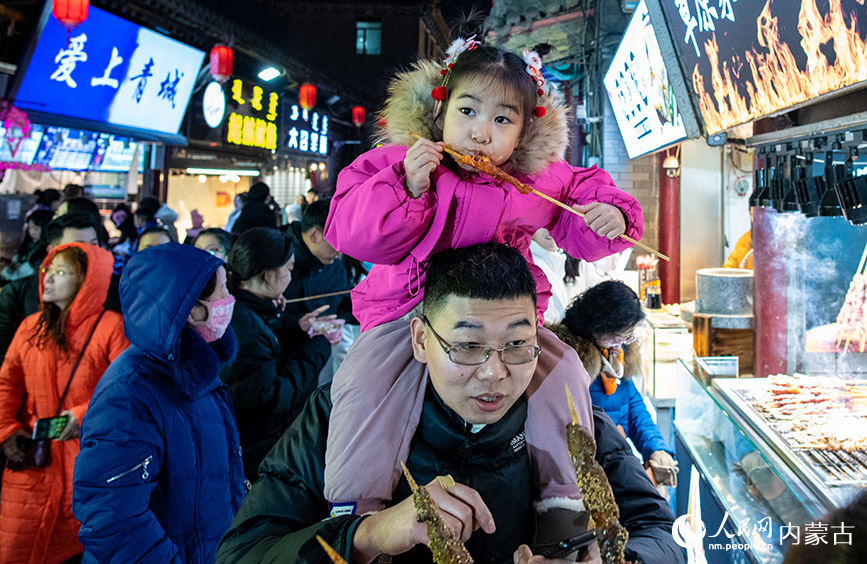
639 177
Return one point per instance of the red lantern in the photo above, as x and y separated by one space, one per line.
358 115
307 96
70 13
222 58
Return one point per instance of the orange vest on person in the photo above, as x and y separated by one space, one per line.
36 520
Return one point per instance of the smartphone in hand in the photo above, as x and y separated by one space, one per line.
49 427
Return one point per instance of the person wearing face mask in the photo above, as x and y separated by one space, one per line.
160 476
277 366
600 325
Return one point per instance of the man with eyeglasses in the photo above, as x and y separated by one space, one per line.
480 350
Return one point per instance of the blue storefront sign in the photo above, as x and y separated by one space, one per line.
111 71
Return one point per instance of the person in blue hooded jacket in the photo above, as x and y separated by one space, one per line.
600 325
159 476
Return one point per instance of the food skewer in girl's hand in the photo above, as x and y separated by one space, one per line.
604 219
332 554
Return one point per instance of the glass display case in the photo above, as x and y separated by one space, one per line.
750 493
667 339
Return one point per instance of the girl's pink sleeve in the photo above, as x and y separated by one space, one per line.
371 217
584 186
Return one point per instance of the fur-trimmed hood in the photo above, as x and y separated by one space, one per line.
592 358
410 107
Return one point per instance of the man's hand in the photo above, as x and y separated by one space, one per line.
396 530
71 429
525 556
10 446
604 219
306 320
420 161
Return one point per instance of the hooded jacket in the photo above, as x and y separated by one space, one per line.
160 475
285 509
373 219
626 405
36 520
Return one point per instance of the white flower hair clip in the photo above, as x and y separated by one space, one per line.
457 47
534 69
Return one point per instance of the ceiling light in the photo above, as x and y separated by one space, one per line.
222 171
269 73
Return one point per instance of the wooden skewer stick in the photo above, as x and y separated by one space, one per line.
863 259
292 301
336 558
518 184
571 405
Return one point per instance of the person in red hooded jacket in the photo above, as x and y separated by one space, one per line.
36 520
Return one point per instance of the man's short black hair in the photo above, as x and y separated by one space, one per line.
315 215
68 221
258 192
145 214
488 271
150 203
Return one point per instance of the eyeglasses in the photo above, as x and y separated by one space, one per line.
617 341
217 250
473 355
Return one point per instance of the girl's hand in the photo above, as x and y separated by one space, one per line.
604 219
420 161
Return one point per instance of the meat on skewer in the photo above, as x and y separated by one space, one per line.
444 545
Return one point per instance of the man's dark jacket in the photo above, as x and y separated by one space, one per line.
20 299
270 380
254 214
285 510
310 278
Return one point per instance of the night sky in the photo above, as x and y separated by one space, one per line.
453 9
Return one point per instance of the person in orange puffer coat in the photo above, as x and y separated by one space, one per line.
36 520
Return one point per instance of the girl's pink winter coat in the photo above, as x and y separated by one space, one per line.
373 219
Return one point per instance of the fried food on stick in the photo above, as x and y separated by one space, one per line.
484 164
595 490
444 546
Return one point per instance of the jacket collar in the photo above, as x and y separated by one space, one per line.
196 370
445 430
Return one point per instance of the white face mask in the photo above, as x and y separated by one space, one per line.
219 317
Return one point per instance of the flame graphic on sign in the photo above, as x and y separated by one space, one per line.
776 81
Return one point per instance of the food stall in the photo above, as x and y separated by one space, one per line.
763 458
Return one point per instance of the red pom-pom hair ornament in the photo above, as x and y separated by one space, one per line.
438 93
457 47
539 111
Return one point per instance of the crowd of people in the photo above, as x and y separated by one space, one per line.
218 400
